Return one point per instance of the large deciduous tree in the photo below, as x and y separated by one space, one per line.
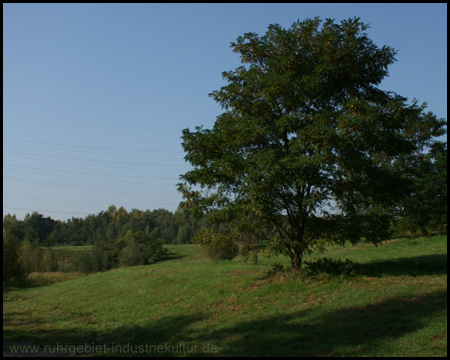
306 146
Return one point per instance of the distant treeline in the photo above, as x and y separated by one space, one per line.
118 238
109 225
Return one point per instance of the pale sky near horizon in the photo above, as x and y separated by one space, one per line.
95 96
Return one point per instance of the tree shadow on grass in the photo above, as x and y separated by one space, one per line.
348 331
412 266
173 255
160 338
352 331
22 338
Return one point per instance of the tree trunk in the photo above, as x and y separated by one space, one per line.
298 248
296 261
423 230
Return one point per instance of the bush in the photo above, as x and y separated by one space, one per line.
154 251
217 246
333 267
29 257
277 269
13 273
132 254
140 249
84 261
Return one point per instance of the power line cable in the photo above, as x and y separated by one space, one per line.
42 211
85 178
91 124
8 142
94 147
89 173
73 201
49 211
91 165
86 188
91 160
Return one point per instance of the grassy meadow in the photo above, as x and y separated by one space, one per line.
189 306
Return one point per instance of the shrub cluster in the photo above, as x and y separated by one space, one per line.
323 267
217 246
23 258
333 267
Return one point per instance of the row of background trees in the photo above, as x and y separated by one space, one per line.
118 238
109 225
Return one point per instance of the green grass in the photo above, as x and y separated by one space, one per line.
186 306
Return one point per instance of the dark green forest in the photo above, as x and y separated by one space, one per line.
109 225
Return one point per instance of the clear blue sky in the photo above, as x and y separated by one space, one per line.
95 96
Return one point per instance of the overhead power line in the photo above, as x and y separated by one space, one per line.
89 173
49 211
74 157
42 211
85 178
90 152
90 124
107 203
95 147
92 160
91 165
88 188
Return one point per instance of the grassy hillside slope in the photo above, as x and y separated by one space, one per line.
185 305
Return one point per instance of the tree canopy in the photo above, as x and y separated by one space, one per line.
307 146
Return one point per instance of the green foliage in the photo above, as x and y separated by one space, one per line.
425 210
108 225
30 257
307 140
277 269
154 251
20 259
120 238
217 246
333 267
132 254
13 273
139 249
38 228
320 268
371 225
85 262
